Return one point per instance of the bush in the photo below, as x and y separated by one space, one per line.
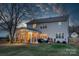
46 41
64 42
40 40
58 41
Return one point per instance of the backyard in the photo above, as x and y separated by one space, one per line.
39 50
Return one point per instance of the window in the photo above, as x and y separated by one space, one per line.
60 35
56 35
43 27
40 27
34 25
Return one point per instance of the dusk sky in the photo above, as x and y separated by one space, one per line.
39 10
53 10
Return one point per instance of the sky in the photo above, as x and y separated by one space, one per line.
46 10
53 10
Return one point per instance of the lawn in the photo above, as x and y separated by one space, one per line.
40 50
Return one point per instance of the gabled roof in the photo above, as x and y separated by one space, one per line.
49 20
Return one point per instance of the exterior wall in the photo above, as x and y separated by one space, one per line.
25 36
53 29
21 35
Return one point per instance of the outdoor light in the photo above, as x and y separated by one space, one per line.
59 23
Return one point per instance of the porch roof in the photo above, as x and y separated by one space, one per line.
30 29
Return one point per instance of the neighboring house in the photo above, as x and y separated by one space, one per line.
57 28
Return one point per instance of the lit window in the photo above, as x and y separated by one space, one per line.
34 25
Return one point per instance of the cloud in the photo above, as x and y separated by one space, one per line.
59 9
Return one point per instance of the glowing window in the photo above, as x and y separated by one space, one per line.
34 25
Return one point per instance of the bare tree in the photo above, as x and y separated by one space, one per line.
10 18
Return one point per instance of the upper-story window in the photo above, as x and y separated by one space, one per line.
34 25
43 27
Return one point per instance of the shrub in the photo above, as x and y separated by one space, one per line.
64 42
58 41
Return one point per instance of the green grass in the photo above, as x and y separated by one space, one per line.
40 50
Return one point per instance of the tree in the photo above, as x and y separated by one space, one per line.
10 17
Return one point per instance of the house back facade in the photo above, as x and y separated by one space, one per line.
56 27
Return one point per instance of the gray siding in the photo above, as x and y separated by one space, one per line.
53 28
